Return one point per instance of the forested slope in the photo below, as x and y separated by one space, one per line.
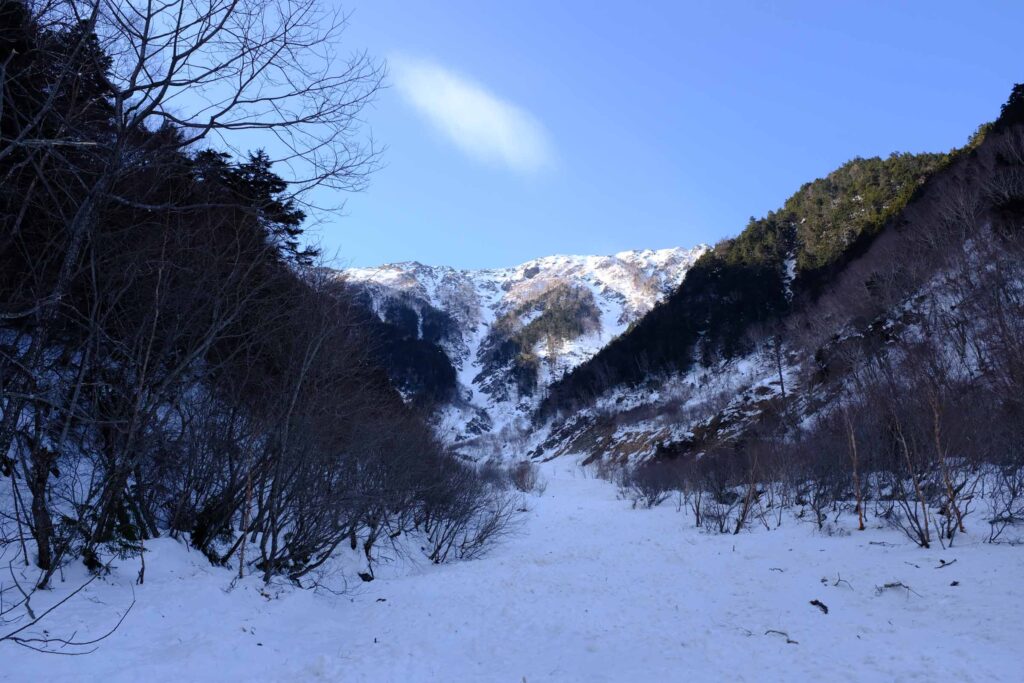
774 265
883 376
172 360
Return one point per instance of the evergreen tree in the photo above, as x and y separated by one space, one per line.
1012 112
266 192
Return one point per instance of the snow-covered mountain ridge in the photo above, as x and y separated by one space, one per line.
510 332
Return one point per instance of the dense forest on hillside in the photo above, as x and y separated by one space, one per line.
406 339
754 279
889 388
172 360
561 311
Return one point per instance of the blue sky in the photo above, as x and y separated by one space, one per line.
521 129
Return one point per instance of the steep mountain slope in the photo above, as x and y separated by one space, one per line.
760 275
890 281
508 333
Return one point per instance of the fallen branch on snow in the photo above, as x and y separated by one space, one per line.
785 635
895 584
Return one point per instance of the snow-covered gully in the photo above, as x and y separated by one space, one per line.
587 589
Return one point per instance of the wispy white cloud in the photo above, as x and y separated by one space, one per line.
478 122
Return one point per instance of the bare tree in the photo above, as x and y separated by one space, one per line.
205 71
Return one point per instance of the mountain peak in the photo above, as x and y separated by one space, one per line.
509 332
649 257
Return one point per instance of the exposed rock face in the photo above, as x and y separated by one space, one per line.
509 332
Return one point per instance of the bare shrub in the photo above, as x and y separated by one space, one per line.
1003 483
462 516
608 470
526 477
493 473
650 483
1006 501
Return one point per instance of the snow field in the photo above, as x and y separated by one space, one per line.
588 589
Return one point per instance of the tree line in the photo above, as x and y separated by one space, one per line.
173 360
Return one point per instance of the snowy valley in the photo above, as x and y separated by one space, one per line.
795 454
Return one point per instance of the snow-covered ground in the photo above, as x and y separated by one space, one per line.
587 590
